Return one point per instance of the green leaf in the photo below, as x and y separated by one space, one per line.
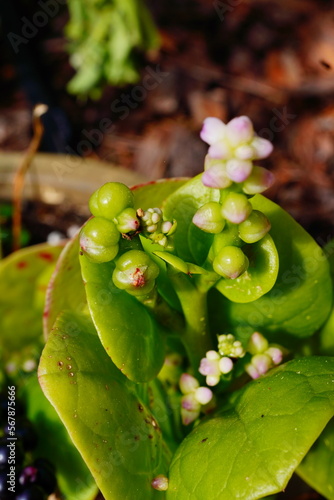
22 288
251 447
317 468
301 298
74 479
153 194
182 206
66 289
128 332
115 432
260 276
179 264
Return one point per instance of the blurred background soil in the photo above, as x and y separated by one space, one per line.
270 60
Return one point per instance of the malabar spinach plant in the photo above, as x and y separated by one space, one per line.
188 340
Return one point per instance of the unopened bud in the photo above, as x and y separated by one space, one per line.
209 218
259 180
238 170
230 262
213 130
160 483
239 130
236 208
262 148
225 365
188 383
203 395
275 354
127 221
257 343
216 177
255 227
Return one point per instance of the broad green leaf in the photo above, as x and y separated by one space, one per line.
154 193
128 332
66 289
74 479
317 468
22 288
301 298
115 432
182 205
251 447
260 276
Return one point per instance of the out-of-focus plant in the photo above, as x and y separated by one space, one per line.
105 38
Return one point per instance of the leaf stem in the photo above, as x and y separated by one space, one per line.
196 335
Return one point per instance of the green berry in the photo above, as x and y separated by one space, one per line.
127 221
236 208
230 262
255 227
135 272
99 240
110 200
209 218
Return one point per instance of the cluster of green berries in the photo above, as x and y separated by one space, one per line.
234 224
155 228
114 217
113 208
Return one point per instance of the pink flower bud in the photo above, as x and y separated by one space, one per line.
219 151
239 130
262 148
188 416
259 180
244 152
203 395
209 367
216 177
276 355
160 483
188 383
236 208
209 218
213 130
212 380
257 343
238 170
225 365
190 403
262 363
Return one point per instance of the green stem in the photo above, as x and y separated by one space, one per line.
196 335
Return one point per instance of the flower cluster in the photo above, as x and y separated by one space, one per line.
264 356
193 399
233 148
155 228
220 363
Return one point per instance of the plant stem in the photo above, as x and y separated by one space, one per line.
196 336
